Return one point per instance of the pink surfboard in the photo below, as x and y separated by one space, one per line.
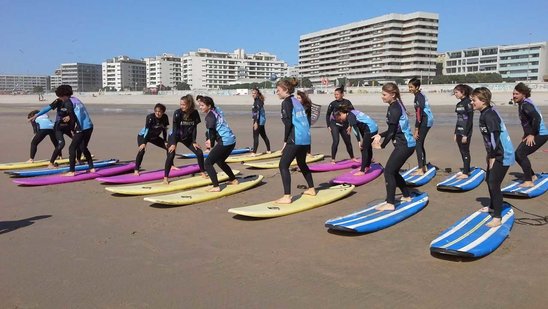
349 178
150 175
339 165
80 176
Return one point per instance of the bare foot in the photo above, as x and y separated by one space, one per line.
136 173
418 172
534 178
92 170
29 161
310 191
204 175
461 175
52 166
494 222
527 184
360 173
253 154
268 152
69 174
174 168
404 199
355 160
484 209
386 206
233 182
333 161
165 181
286 199
214 189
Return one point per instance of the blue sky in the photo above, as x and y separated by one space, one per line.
38 35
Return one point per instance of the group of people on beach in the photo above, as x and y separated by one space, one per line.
341 120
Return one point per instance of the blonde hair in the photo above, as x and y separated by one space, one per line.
288 84
483 94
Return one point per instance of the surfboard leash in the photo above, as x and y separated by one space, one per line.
536 220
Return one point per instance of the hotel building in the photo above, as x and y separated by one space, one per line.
124 73
163 70
81 76
23 83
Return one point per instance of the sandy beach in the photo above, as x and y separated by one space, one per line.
77 246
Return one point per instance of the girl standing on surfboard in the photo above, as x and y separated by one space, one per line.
220 140
534 132
296 138
463 128
362 125
423 122
42 127
155 124
500 152
399 132
259 121
336 128
185 129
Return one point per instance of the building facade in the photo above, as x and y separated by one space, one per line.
124 73
527 62
163 70
23 83
386 48
206 69
81 77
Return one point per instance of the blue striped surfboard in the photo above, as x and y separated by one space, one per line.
540 187
59 170
416 181
476 177
470 237
206 154
371 220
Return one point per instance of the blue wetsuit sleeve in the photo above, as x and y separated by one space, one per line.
44 110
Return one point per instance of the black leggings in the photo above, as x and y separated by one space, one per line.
60 137
37 139
290 152
171 156
367 151
392 176
158 141
218 155
335 132
523 151
465 153
494 178
421 153
260 130
80 142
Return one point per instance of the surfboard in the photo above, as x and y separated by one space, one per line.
349 177
324 196
206 154
175 185
417 181
275 163
476 177
149 175
540 187
201 194
59 170
339 165
36 163
371 220
469 237
80 176
248 157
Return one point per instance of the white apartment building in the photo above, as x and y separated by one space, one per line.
206 69
163 70
384 48
81 76
124 73
23 83
513 62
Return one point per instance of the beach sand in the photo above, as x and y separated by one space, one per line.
76 245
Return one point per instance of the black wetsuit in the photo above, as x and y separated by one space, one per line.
533 124
151 134
465 121
361 128
259 119
185 128
61 128
39 135
421 123
338 129
219 151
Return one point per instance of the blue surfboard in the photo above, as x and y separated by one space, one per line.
470 237
416 181
59 170
540 187
476 177
235 151
371 220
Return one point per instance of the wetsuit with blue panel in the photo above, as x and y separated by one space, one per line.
338 128
42 126
61 127
259 118
83 129
222 142
423 123
532 124
365 126
150 133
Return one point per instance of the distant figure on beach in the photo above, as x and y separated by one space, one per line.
500 152
336 128
307 104
42 126
463 128
423 122
155 124
399 132
185 130
259 121
296 138
535 133
220 139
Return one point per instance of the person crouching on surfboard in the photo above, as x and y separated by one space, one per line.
500 152
220 140
42 127
360 124
296 138
155 124
399 132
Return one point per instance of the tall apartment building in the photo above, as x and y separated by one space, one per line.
206 69
163 70
81 76
384 48
124 73
23 83
55 80
513 62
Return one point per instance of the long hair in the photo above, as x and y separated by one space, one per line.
191 105
260 96
305 100
464 89
523 89
392 88
288 83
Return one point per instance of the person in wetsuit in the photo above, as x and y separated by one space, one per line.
307 104
82 131
336 128
423 122
259 121
463 128
155 124
42 126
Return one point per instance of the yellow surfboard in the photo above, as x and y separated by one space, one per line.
159 187
201 194
36 163
300 203
248 157
275 163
